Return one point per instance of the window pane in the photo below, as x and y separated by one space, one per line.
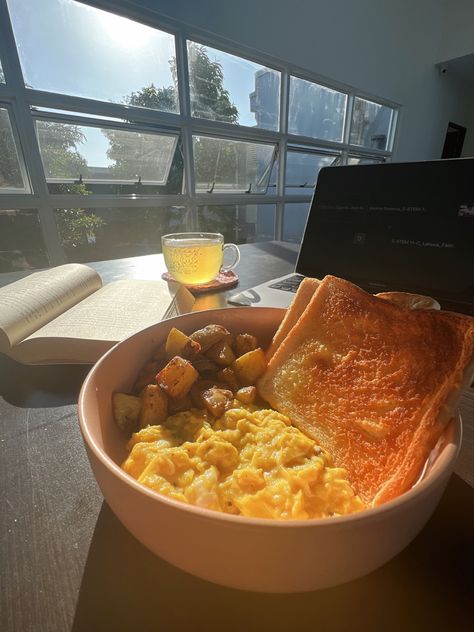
316 111
72 48
21 241
294 221
302 169
239 223
79 154
112 233
363 160
231 166
2 76
11 172
228 88
371 124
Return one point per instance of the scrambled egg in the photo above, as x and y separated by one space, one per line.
251 462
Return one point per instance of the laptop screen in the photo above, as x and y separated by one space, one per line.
395 226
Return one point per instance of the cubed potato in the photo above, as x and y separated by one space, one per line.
228 376
178 405
126 409
221 353
243 343
249 367
177 377
210 335
217 400
247 394
178 344
154 407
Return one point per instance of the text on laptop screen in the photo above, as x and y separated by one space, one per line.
397 226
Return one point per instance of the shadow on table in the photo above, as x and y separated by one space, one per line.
426 587
29 386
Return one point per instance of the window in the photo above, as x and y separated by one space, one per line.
316 111
232 166
21 241
371 124
81 154
239 223
132 130
71 48
88 234
2 75
294 221
12 171
227 88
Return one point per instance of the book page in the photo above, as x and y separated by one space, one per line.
28 304
114 312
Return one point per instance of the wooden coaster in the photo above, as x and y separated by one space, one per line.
223 281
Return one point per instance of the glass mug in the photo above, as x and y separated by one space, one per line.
196 258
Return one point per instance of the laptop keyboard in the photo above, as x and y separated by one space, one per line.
290 284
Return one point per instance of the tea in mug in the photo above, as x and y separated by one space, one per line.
195 258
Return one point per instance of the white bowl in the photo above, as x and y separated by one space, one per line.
250 554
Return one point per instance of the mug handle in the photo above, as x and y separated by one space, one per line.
236 257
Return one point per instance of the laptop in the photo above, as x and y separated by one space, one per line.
387 227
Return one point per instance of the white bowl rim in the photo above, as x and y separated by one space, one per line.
450 453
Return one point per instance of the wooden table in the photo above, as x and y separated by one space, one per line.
66 562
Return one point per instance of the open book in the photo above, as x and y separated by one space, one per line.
64 314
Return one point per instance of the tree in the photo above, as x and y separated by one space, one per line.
10 175
58 142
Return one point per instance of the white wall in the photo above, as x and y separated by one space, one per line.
386 48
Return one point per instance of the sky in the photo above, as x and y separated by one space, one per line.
74 49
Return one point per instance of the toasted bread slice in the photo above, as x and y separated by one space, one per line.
374 383
305 292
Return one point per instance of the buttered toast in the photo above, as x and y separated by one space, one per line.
374 383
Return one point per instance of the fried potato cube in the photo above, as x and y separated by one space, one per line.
177 377
250 366
199 387
178 405
244 343
228 376
221 353
210 335
126 409
154 407
247 394
178 344
217 400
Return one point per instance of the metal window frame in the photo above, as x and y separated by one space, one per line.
22 100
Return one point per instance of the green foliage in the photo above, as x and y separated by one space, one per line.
58 142
10 175
155 98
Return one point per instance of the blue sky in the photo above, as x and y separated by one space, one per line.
71 48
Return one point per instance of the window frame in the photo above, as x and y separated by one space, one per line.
21 100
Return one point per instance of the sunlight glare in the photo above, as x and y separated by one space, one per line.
127 33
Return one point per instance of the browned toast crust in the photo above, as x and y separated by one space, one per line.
374 383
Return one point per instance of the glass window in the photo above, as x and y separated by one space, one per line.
71 48
112 233
239 223
303 167
21 241
363 160
294 221
2 75
232 166
316 111
371 124
12 172
227 88
82 154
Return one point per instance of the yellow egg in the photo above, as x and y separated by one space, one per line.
250 462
